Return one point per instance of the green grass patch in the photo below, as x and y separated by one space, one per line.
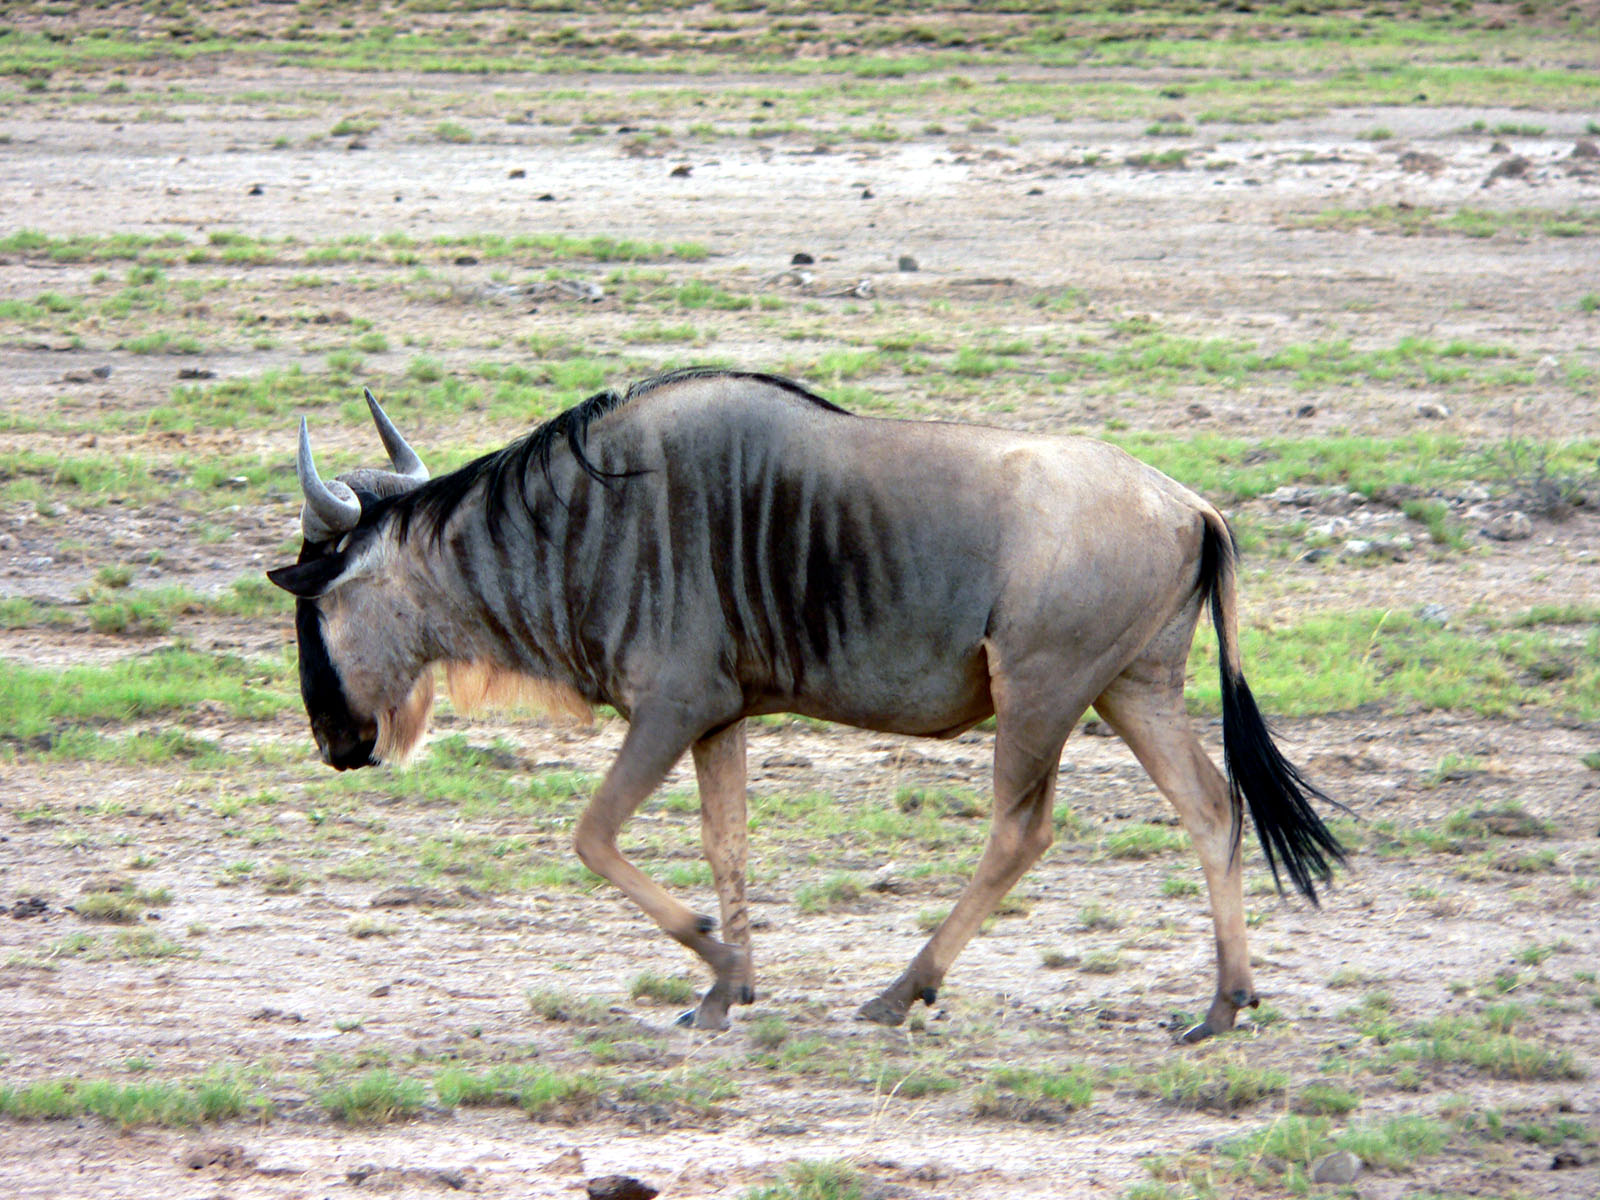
213 1097
1413 220
36 701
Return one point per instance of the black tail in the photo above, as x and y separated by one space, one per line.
1278 795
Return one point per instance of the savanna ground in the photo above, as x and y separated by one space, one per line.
1334 266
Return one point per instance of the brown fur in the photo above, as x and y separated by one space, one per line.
400 729
477 685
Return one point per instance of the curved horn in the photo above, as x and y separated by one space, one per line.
403 457
330 508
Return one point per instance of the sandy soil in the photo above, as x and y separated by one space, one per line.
1204 250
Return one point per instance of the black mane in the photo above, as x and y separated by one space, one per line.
431 505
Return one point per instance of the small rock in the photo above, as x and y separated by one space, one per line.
1432 410
866 193
1499 147
256 190
33 906
801 259
1198 411
887 879
1306 410
196 373
620 1187
1331 529
516 173
783 1129
544 199
681 171
1037 191
1515 167
464 260
1421 162
101 372
1434 614
424 897
1565 1160
227 1155
77 377
1584 148
1472 493
1357 548
1514 526
907 263
383 989
571 1162
1339 1167
355 144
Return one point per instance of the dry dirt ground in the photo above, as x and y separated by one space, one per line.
288 970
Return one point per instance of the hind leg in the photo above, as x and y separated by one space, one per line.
1027 753
1145 708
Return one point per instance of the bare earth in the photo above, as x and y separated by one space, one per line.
278 977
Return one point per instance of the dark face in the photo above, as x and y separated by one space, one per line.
344 740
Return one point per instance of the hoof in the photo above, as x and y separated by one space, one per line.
881 1011
714 1020
747 994
704 924
930 996
1196 1033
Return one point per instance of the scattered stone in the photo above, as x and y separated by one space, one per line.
887 879
866 193
1472 493
355 144
1339 1167
277 1014
1199 411
101 372
516 173
1421 162
411 893
620 1187
571 1162
256 190
907 263
1331 529
33 906
1432 410
544 199
1565 1160
1436 615
1515 167
1547 368
227 1155
1499 147
784 1129
1036 191
76 376
1584 148
1514 526
383 989
801 259
196 373
681 171
1306 410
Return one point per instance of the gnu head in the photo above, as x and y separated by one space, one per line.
363 691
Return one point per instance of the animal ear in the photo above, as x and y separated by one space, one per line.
308 580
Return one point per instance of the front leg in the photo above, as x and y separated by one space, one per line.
719 761
657 735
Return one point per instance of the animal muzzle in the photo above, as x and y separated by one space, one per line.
346 753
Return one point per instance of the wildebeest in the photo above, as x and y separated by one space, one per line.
710 545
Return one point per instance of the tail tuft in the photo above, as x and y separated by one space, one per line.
1279 797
